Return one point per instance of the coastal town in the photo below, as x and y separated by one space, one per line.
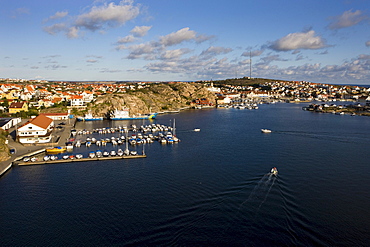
32 112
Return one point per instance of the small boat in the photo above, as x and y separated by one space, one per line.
105 153
56 150
197 130
34 159
274 171
92 154
266 131
46 157
66 157
120 152
53 157
26 159
113 153
133 152
79 156
99 153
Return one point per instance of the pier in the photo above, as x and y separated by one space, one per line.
42 162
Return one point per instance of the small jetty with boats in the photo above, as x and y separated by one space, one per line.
122 142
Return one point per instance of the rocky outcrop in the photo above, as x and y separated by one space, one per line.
4 150
156 98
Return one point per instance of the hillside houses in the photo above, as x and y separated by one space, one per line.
47 94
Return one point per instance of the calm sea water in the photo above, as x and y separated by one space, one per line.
211 189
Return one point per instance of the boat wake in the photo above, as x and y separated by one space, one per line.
328 136
260 192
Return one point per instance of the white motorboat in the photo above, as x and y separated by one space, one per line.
79 156
92 154
266 131
98 153
120 152
274 171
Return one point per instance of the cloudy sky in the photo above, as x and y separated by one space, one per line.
313 40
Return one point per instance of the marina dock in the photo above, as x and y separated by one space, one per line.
42 162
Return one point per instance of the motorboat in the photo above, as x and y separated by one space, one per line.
56 150
53 157
120 152
274 171
266 131
26 158
196 130
99 153
79 156
92 154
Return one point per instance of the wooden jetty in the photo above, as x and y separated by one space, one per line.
42 162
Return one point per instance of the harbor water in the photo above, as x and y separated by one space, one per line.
214 188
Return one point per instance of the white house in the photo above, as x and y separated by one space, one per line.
77 100
36 130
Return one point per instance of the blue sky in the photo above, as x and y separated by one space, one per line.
318 41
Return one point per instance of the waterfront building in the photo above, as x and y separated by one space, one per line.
57 116
7 123
36 130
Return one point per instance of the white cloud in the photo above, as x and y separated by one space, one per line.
140 31
96 18
200 38
215 50
364 57
136 51
294 41
111 15
178 37
367 43
127 39
254 53
72 33
56 28
347 19
57 15
174 54
271 58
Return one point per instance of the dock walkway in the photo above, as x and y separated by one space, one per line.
41 162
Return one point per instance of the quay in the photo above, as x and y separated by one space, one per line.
42 162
